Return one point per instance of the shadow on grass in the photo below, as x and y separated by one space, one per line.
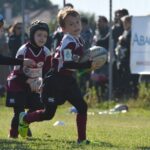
143 148
95 144
10 144
68 144
48 143
26 144
73 144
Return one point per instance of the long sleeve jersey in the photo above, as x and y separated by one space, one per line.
16 81
67 56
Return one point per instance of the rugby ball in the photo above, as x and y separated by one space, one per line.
97 53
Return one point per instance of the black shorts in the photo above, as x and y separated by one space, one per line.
24 99
58 88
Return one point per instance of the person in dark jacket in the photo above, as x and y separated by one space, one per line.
128 82
101 37
4 60
14 41
117 30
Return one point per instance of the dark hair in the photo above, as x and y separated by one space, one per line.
69 5
103 18
124 12
14 26
118 11
84 20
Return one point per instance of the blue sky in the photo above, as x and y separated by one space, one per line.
101 7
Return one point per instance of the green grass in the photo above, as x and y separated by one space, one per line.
129 131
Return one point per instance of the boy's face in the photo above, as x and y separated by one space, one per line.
72 25
40 37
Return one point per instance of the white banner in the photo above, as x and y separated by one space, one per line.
140 45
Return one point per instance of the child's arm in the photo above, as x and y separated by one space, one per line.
4 60
47 62
74 65
18 70
70 63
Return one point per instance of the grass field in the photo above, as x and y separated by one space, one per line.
129 131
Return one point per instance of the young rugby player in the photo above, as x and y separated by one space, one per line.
23 86
61 85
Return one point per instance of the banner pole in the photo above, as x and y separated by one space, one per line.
110 53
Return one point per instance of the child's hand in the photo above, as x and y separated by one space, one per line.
35 84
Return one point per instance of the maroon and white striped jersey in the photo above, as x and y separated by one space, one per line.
70 50
16 81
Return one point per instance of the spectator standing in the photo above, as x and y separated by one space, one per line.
86 33
128 82
99 77
117 30
101 37
14 41
87 36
